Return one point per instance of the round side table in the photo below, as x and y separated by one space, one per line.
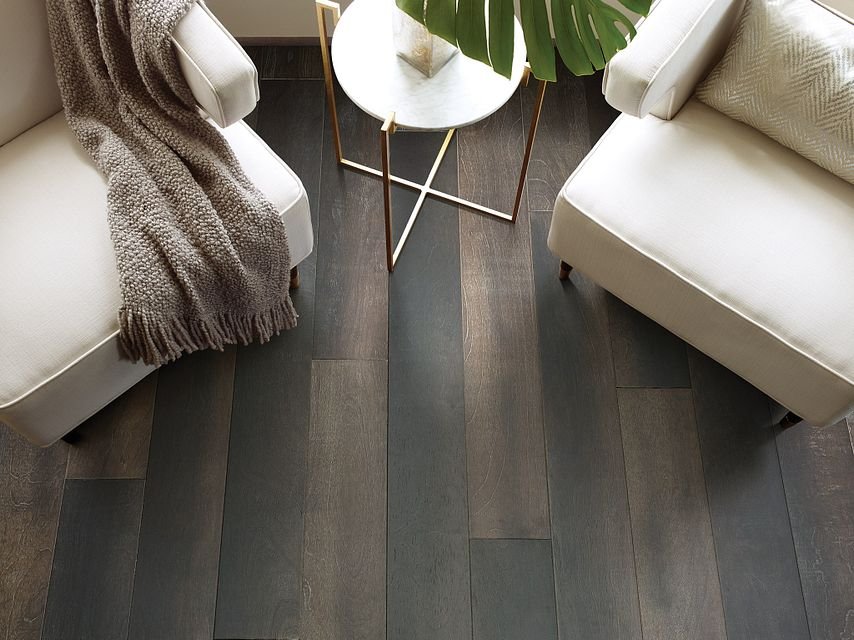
388 88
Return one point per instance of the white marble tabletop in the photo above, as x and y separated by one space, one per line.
371 73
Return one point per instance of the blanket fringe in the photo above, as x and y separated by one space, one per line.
156 339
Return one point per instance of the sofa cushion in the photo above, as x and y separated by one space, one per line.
59 290
28 91
789 72
730 240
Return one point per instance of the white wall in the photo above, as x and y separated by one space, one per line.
272 19
268 18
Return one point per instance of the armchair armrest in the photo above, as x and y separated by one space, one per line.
221 76
675 47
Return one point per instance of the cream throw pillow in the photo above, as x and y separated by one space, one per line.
789 72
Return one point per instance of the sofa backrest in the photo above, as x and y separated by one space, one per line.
28 91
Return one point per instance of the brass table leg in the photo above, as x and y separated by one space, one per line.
388 178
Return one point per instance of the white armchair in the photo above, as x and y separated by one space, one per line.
733 242
60 359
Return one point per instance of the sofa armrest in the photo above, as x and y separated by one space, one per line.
675 47
220 74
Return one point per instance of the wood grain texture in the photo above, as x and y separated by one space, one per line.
512 590
818 474
645 353
93 564
176 573
680 595
600 115
260 579
286 63
756 559
352 280
114 442
428 562
562 137
504 419
31 483
596 588
344 569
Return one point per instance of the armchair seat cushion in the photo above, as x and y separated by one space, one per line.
58 281
730 240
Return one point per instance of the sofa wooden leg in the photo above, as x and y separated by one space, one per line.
790 420
564 270
295 278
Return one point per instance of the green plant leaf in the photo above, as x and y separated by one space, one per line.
502 34
568 41
442 19
582 10
610 37
538 39
415 8
471 29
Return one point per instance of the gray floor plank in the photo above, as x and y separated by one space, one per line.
352 280
93 564
174 592
503 395
756 558
600 115
818 474
260 580
31 483
287 62
591 536
114 442
344 569
562 137
428 562
513 590
645 353
680 595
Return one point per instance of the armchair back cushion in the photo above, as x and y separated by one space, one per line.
789 72
28 91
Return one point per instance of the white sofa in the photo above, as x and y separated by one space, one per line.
731 241
60 359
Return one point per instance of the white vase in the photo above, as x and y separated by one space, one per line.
416 45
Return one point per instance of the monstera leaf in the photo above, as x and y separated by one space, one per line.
587 33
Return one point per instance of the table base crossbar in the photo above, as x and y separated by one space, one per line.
425 190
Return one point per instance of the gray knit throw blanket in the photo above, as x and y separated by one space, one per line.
202 254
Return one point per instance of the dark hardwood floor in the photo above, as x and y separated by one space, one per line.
468 449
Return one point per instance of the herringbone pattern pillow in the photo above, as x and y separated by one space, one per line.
789 72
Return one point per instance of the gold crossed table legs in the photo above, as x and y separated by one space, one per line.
388 128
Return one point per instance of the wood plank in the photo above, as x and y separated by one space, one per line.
345 512
678 587
287 62
31 483
114 442
175 586
93 564
260 581
352 280
596 588
600 115
645 353
756 559
512 590
562 137
503 396
818 474
428 561
292 62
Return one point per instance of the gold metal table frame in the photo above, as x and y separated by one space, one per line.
388 128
